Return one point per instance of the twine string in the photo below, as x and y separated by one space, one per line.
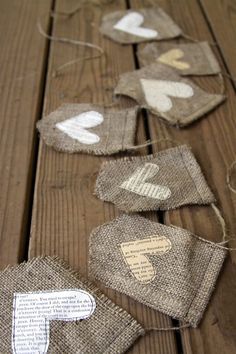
83 3
73 42
228 176
221 222
157 141
187 325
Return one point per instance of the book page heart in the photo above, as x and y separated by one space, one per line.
157 93
187 58
137 183
171 58
76 127
32 313
131 23
135 255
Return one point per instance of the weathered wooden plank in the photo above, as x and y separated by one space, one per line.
22 59
213 142
221 16
65 209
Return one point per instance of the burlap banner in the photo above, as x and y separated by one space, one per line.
135 26
106 329
166 268
186 58
166 94
89 128
166 180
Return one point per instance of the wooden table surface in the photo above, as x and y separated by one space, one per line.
47 204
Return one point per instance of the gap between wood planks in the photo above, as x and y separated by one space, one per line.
160 214
228 76
34 159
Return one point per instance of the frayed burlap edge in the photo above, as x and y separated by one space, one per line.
189 316
134 329
186 148
90 150
217 100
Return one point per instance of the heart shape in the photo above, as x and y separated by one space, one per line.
156 93
131 23
137 183
171 58
135 255
75 127
33 312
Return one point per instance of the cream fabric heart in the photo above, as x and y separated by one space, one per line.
156 93
137 183
135 255
131 23
75 127
171 58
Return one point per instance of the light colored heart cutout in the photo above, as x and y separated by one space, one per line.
157 93
171 58
137 183
76 127
33 312
131 23
135 255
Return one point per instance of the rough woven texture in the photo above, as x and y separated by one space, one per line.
117 132
185 276
199 57
110 330
154 18
184 110
178 170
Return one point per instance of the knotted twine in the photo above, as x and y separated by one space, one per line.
167 268
110 330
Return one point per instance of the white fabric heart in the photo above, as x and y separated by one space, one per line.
75 127
131 23
156 93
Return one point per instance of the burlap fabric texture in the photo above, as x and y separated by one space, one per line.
186 58
177 171
154 18
116 132
185 275
110 330
166 94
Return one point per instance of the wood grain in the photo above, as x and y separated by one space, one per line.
221 16
65 209
213 142
21 85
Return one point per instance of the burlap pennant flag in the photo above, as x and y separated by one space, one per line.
89 128
187 58
77 317
135 26
166 268
161 90
166 180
